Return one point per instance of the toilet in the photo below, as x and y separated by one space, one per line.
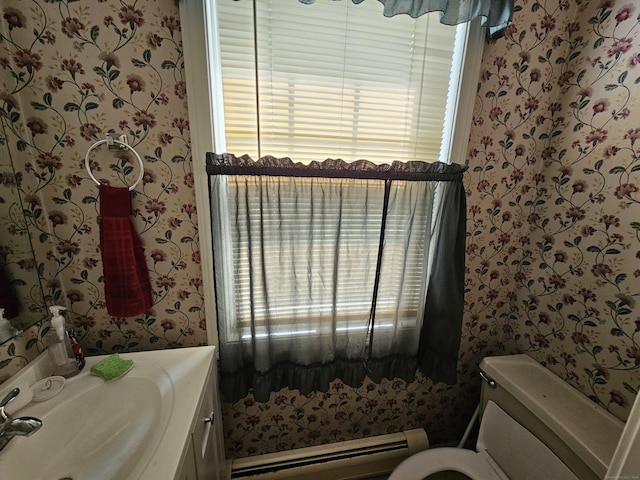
533 426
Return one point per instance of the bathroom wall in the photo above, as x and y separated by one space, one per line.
554 205
69 72
552 197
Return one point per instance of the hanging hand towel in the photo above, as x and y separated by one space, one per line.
126 278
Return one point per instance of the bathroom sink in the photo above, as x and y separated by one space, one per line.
94 429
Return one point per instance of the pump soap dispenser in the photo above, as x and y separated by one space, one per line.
60 347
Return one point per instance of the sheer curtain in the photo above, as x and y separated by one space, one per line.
323 271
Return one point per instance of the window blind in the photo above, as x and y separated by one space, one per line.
333 79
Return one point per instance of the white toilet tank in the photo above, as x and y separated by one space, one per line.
580 433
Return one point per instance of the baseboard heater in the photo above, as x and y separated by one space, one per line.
350 460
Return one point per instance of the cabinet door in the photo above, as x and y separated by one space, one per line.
207 435
188 470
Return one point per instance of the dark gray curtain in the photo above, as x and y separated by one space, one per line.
442 326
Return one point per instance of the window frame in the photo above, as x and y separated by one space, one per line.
206 122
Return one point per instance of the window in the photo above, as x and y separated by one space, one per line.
310 103
335 78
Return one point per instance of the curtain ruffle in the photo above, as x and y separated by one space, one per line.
229 164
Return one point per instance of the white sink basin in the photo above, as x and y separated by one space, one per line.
122 429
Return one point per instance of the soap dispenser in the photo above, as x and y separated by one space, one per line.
6 329
60 346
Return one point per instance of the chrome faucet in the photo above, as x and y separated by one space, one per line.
11 427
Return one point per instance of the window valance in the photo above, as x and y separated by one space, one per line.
495 14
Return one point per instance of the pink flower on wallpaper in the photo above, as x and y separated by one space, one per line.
89 131
597 136
575 213
148 177
155 206
580 338
132 16
572 27
71 26
110 58
632 134
180 123
617 397
158 256
57 217
600 106
165 282
500 62
188 179
162 99
565 77
180 89
560 256
170 22
14 18
548 23
72 66
625 189
144 119
135 82
535 75
188 208
27 59
601 269
48 160
624 13
37 126
579 186
54 83
495 113
154 40
619 47
67 247
610 220
611 151
167 325
165 139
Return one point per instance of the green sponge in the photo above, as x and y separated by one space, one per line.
111 367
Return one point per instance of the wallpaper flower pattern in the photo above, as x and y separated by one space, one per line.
553 247
553 229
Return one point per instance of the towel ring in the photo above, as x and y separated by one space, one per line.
112 141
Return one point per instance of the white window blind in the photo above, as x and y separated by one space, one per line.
334 79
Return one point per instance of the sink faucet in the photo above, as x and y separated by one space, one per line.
10 427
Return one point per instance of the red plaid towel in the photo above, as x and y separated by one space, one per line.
127 287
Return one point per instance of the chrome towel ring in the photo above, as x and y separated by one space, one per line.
112 141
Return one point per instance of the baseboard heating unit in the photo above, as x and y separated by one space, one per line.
350 460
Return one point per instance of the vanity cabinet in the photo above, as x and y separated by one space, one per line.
204 455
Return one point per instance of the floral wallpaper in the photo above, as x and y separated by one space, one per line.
68 76
553 235
553 225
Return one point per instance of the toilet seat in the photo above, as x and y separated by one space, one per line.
475 465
